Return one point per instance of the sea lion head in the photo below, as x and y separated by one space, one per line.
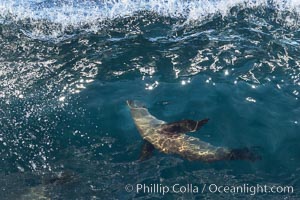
134 104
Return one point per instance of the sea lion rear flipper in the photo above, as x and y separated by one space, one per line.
183 126
244 154
147 151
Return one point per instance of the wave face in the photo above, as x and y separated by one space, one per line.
67 68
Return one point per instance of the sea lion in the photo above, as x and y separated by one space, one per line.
171 138
41 191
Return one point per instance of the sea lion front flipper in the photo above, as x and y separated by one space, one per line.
183 126
147 151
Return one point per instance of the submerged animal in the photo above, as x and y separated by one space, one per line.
41 191
171 138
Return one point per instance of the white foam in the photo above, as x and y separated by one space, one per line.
66 15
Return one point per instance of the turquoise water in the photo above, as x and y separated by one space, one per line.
67 68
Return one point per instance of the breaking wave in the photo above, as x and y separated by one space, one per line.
57 20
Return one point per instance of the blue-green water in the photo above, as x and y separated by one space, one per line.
67 68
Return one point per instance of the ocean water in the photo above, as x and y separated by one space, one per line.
67 68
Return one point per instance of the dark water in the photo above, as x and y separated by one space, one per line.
67 68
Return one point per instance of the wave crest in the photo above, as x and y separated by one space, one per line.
60 19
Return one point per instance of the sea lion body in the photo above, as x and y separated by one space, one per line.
154 131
